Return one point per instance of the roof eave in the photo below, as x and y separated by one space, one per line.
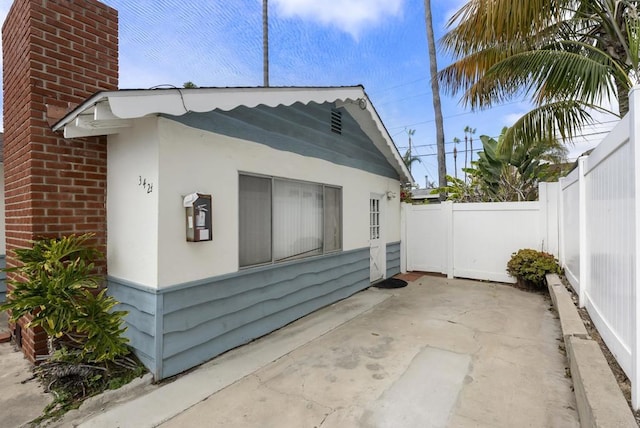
109 112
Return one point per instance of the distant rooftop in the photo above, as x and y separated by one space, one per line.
421 194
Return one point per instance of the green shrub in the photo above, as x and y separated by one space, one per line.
530 266
56 283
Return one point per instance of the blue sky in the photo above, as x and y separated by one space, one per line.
380 44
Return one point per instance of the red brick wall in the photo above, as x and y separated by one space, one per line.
57 53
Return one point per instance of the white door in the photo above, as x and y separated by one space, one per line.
376 255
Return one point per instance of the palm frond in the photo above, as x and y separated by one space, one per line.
555 74
561 120
483 23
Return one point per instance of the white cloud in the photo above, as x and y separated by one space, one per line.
349 16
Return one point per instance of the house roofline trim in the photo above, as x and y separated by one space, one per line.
108 112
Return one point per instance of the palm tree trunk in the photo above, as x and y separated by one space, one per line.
623 97
455 161
466 148
435 91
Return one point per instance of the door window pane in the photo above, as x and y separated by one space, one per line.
374 219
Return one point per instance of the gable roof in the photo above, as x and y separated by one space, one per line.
108 112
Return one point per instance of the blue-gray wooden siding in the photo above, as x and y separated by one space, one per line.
393 258
299 128
3 279
205 318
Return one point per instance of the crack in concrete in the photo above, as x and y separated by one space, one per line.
329 410
326 416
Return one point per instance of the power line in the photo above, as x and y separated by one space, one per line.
449 117
421 94
474 112
435 154
426 169
434 144
586 140
575 137
399 85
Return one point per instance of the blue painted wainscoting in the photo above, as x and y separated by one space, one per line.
181 326
3 279
393 259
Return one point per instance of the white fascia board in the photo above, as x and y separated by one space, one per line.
133 104
73 131
176 102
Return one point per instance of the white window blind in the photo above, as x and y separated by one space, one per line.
297 219
285 219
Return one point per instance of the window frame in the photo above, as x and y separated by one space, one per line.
273 180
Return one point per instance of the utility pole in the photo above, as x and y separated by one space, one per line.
410 132
265 42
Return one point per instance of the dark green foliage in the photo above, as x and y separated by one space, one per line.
504 174
57 285
531 266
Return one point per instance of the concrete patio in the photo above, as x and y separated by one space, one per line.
437 353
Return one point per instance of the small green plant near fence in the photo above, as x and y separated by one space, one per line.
529 267
55 283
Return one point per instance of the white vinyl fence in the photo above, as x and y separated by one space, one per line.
599 240
476 240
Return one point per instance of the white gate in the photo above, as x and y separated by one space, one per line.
476 240
426 238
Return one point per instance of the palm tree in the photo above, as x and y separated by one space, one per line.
456 140
568 56
409 159
508 174
408 155
435 91
470 131
468 138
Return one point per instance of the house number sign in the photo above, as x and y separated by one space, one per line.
147 185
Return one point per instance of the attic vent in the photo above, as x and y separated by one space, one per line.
336 121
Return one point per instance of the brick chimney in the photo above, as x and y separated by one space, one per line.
56 53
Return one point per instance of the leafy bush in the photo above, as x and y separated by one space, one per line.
531 266
57 285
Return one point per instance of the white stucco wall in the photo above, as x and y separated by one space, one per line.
132 211
192 160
